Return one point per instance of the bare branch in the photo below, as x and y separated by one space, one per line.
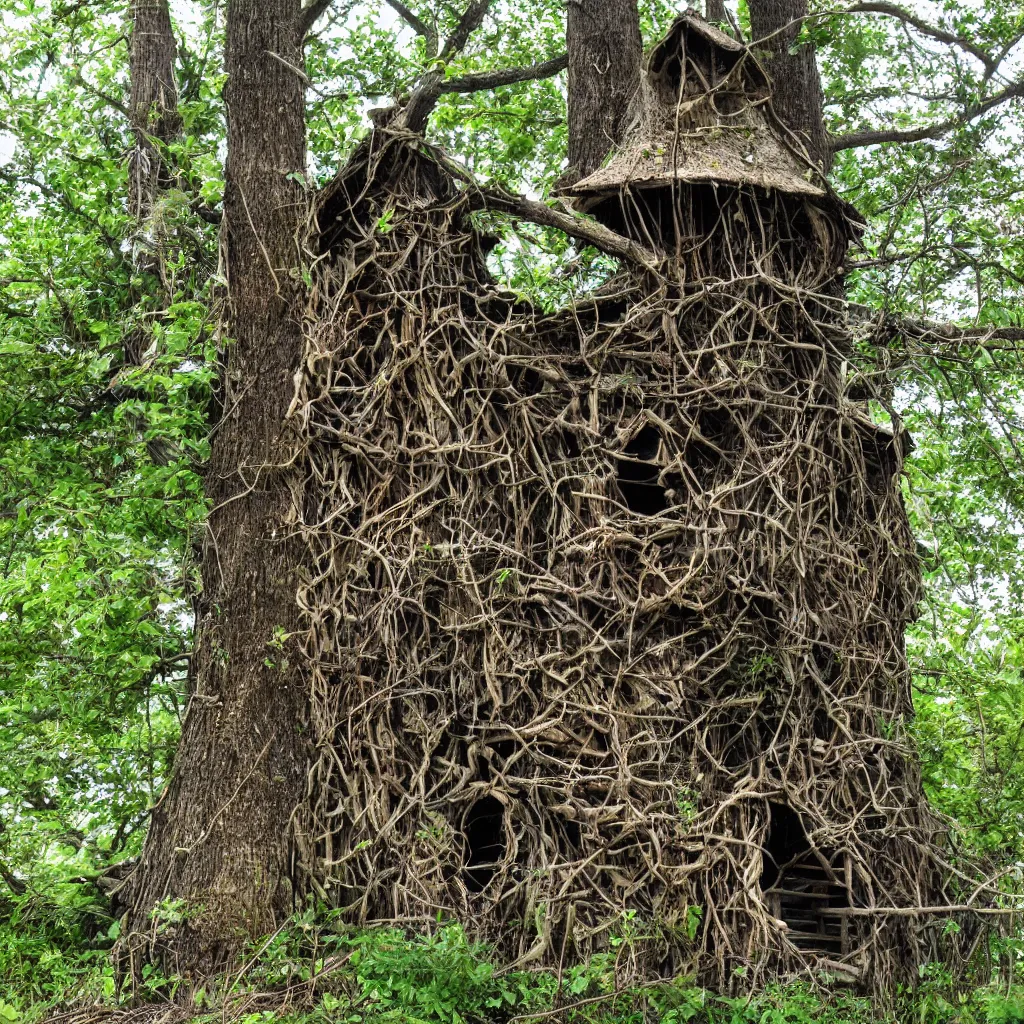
588 231
506 76
115 104
907 336
434 85
419 26
470 21
854 140
422 101
309 14
932 331
926 29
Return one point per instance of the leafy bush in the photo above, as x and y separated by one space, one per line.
52 954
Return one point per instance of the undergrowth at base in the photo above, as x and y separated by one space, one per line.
314 971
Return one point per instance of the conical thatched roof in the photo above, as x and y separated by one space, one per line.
702 115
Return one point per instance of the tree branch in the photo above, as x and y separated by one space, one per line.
932 330
854 140
309 14
419 26
935 338
926 29
470 21
505 76
110 101
434 85
67 205
588 231
15 884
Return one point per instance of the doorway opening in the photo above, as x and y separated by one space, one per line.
484 829
803 887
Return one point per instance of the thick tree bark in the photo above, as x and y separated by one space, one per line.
153 104
155 121
605 54
714 11
153 113
220 843
797 95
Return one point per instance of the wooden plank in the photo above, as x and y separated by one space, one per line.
804 895
844 926
814 938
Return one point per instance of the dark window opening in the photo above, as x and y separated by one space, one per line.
484 831
881 450
728 102
712 434
685 219
803 888
670 78
526 380
650 216
770 730
738 748
716 428
570 444
823 725
573 835
705 62
638 475
828 663
504 748
699 460
767 619
645 445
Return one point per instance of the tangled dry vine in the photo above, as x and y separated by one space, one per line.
606 607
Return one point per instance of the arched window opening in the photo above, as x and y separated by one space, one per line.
484 831
639 473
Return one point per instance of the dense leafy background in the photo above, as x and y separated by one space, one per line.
107 374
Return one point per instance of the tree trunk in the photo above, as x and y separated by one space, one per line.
797 96
605 53
153 105
154 118
217 860
714 11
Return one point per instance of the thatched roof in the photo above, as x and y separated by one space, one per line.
702 115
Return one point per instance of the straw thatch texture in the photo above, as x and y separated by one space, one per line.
702 115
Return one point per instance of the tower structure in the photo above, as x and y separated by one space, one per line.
606 613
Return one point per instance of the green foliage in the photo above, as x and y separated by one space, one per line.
105 375
388 976
943 243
